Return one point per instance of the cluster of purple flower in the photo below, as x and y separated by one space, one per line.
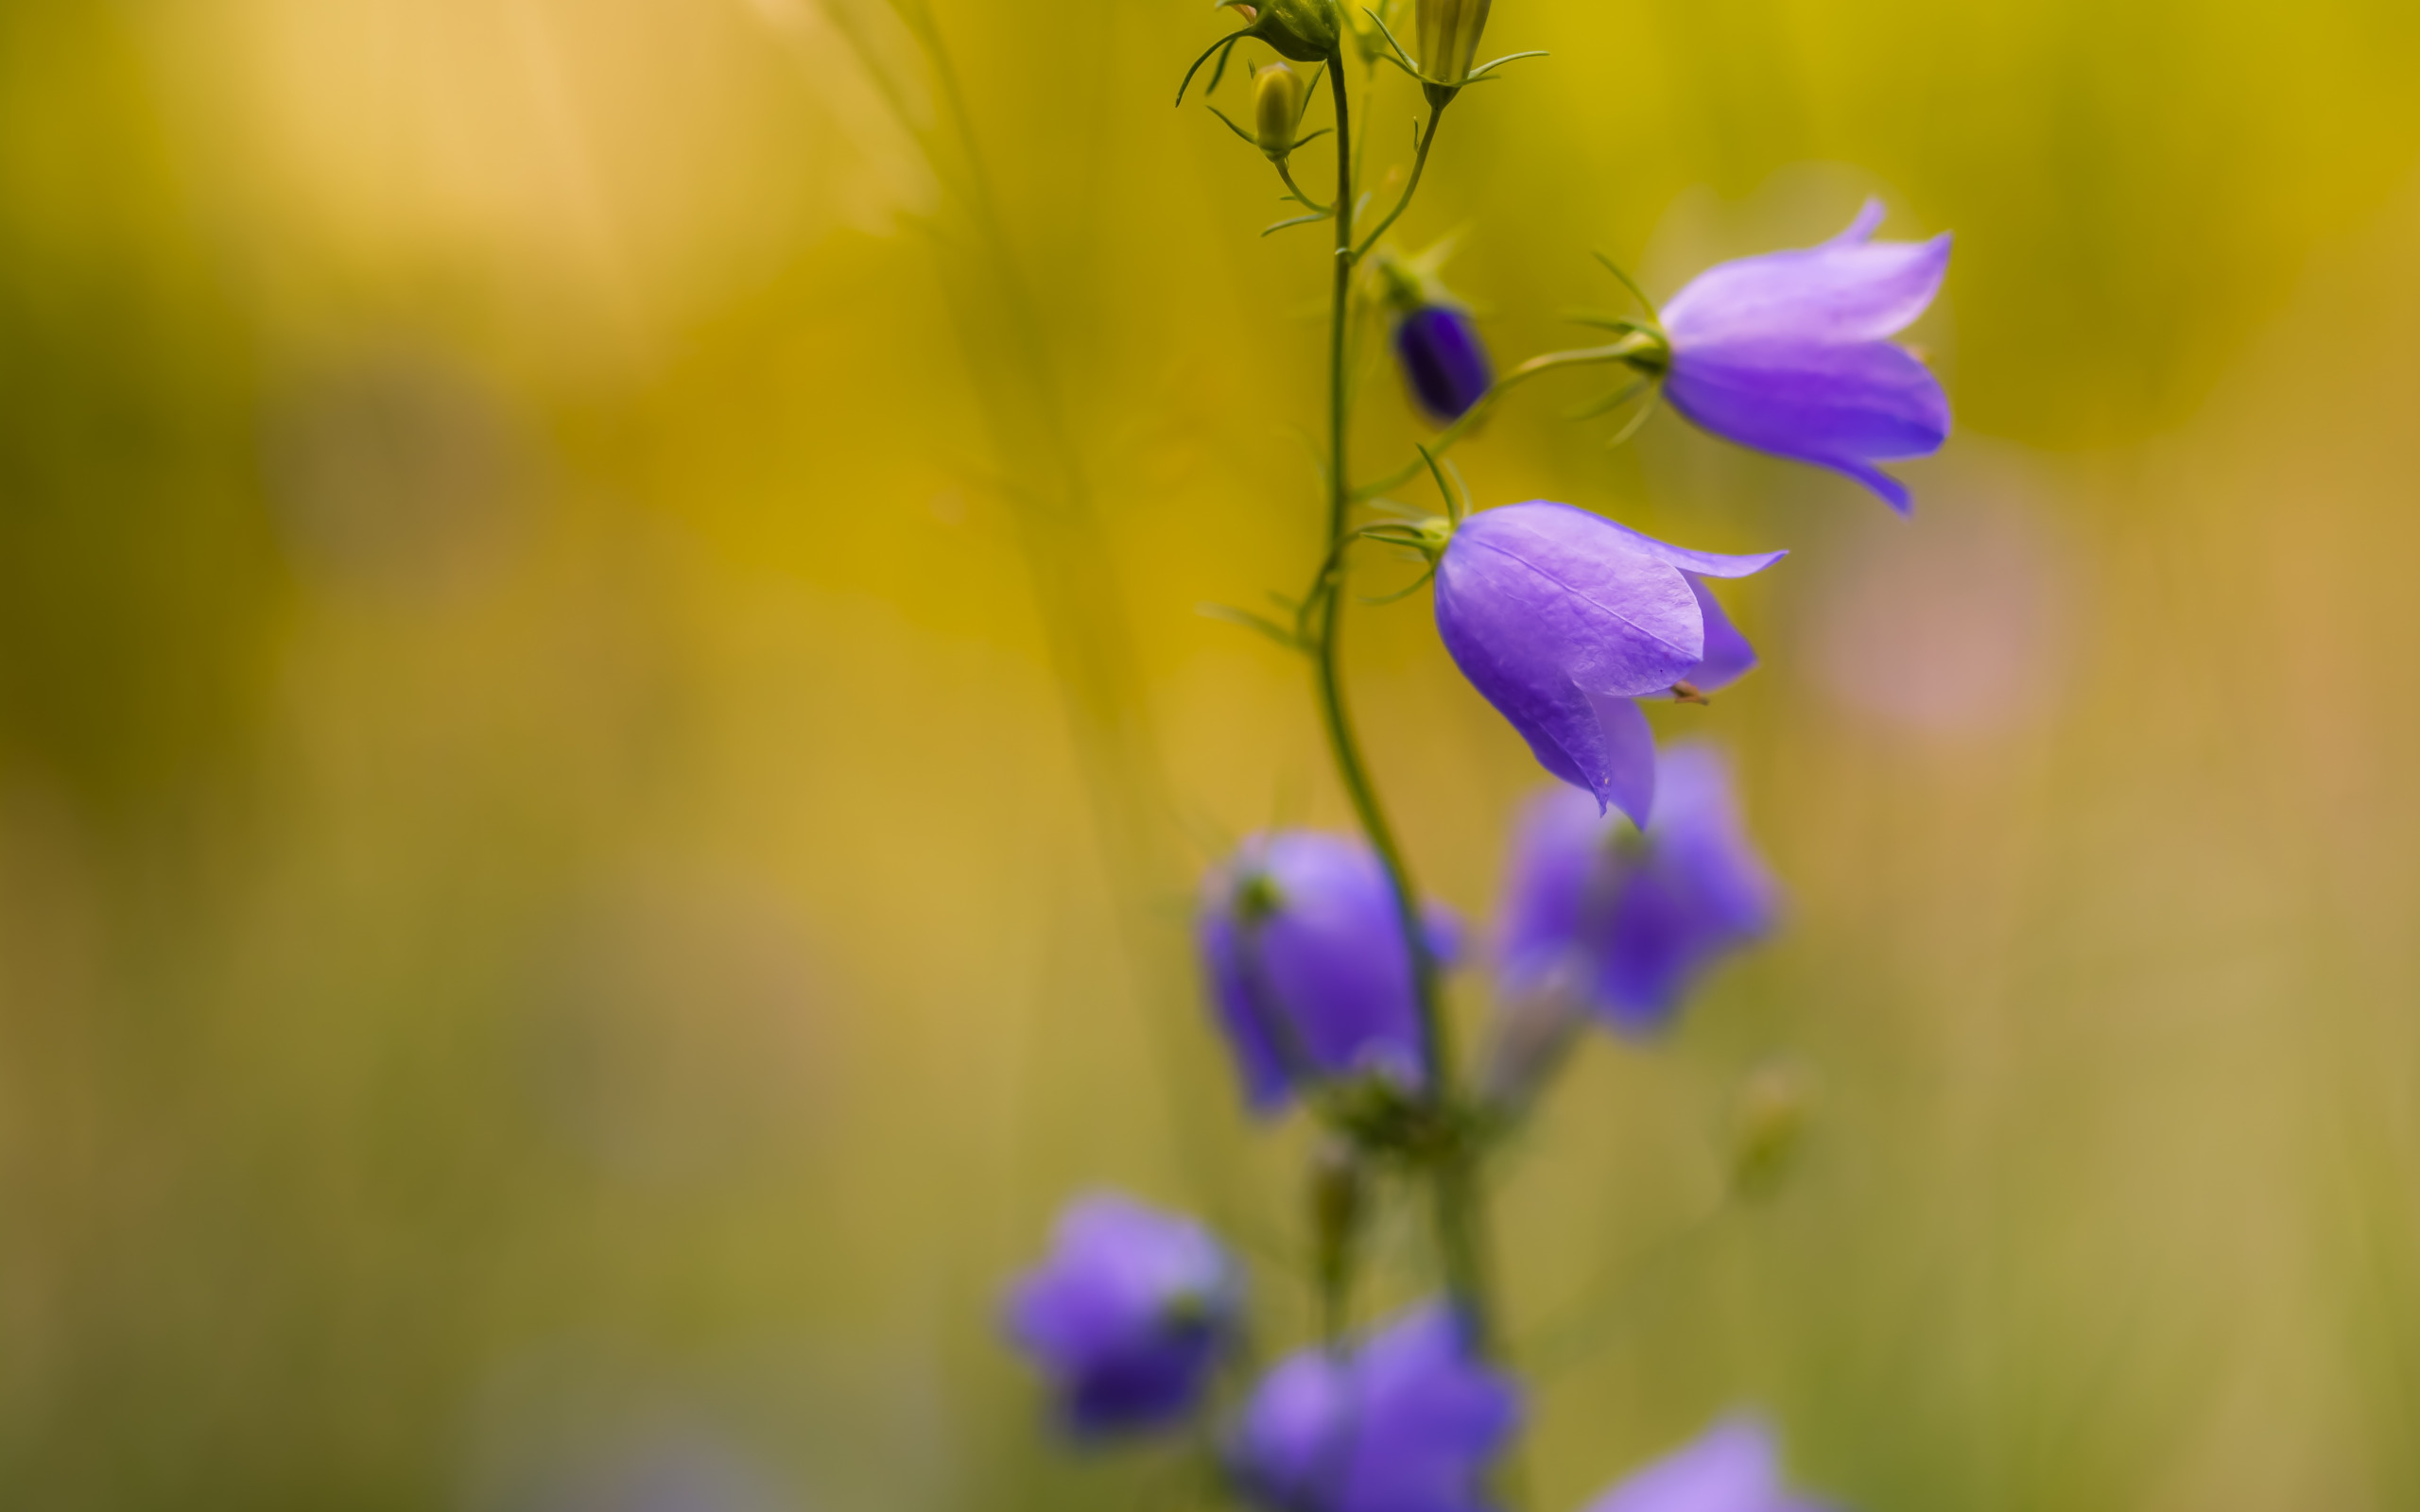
1626 885
1134 1309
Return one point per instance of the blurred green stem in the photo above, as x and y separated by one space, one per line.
1066 554
1626 349
1455 1190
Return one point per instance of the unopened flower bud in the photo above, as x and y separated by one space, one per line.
1449 32
1276 109
1527 1040
1767 1126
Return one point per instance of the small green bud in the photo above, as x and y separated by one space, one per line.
1304 30
1449 32
1768 1126
1369 38
1276 109
1339 1202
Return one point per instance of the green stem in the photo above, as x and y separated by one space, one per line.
1296 190
1453 1173
1622 350
1419 165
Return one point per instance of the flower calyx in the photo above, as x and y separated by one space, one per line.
1308 31
1304 30
1448 33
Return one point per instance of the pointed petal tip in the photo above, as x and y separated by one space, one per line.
1869 219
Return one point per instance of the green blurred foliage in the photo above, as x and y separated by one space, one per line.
603 741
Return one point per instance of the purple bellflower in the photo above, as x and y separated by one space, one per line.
1443 359
1307 965
1626 920
1406 1422
1445 364
1730 1467
1128 1316
1564 620
1789 353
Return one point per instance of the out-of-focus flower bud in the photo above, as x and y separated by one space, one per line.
1369 37
1449 32
1276 109
1767 1129
1128 1317
1443 360
1436 344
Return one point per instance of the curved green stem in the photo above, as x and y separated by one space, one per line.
1622 350
1454 1185
1419 165
1296 190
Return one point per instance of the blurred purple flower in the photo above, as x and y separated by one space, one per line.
1730 1467
1626 921
1307 966
1128 1316
1406 1422
1443 359
1563 620
1789 353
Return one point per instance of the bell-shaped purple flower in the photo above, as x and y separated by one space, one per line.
1307 965
1731 1467
1564 620
1443 360
1128 1316
1408 1421
1789 353
1623 919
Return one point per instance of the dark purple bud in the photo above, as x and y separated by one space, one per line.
1308 964
1128 1316
1730 1467
1408 1421
1443 360
1563 620
1626 922
1789 353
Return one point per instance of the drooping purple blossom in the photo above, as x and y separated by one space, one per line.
1408 1421
1564 620
1789 353
1307 965
1128 1316
1443 360
1627 920
1732 1466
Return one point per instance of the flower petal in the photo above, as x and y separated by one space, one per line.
1731 1467
1843 290
1705 845
1546 593
1710 563
1626 776
1554 853
1728 654
1837 406
1862 230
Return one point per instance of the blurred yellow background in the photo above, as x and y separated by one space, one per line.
603 745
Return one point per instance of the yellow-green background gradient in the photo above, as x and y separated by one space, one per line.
596 813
